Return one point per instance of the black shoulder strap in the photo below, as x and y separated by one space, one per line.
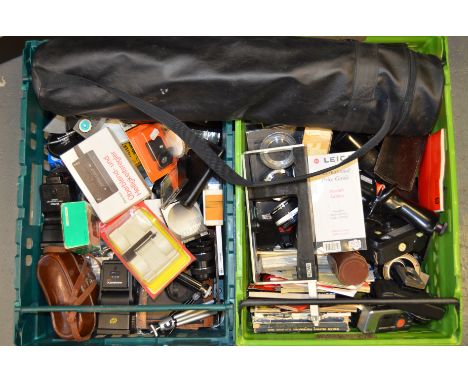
200 146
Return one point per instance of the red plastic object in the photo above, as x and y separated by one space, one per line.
431 173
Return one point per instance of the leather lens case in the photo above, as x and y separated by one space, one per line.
67 279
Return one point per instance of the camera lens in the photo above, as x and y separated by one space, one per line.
277 175
164 158
58 144
277 159
285 213
204 267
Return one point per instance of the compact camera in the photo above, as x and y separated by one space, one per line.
160 152
117 288
58 188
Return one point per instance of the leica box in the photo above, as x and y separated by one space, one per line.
337 205
105 175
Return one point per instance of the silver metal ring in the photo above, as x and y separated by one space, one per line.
400 259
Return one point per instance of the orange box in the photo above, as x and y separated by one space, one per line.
213 207
149 142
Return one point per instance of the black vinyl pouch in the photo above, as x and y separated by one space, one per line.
350 86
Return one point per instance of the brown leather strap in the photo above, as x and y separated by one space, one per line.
72 317
85 294
80 280
54 249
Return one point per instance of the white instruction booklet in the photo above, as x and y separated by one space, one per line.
337 205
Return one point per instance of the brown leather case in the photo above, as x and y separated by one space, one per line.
67 279
399 160
350 268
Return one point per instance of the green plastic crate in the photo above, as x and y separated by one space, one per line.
32 317
442 261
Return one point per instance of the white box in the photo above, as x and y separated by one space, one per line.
337 205
105 175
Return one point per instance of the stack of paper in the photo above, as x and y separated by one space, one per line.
280 266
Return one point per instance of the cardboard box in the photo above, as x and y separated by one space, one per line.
337 205
105 175
80 227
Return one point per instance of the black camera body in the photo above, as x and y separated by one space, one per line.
117 287
386 202
58 188
391 238
160 152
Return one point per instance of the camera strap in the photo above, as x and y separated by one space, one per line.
201 147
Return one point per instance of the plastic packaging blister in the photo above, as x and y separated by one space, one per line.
147 248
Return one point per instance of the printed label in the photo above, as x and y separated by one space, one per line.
332 246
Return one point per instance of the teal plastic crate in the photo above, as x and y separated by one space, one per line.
32 314
442 261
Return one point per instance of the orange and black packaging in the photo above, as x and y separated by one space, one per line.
150 144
